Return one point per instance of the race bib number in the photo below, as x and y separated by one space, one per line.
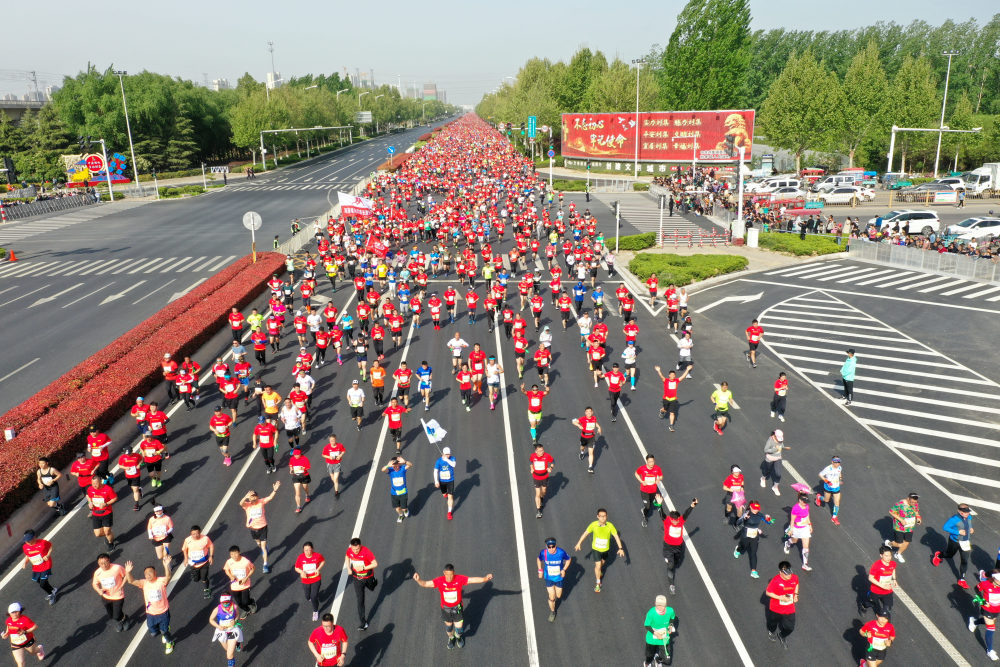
256 513
156 426
196 555
239 575
357 565
601 543
160 532
909 522
675 531
554 570
885 581
965 545
98 502
450 597
265 439
539 466
309 568
878 643
445 475
18 638
993 599
329 651
298 470
752 532
155 595
785 600
782 392
95 452
36 559
221 430
398 482
649 480
130 470
109 583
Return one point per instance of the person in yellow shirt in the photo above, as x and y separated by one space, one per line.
721 397
271 400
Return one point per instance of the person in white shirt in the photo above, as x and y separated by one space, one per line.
444 477
545 337
684 346
314 321
307 384
456 345
291 418
629 354
356 399
682 295
585 323
493 371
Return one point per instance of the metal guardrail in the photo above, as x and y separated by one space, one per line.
945 263
22 211
701 239
610 185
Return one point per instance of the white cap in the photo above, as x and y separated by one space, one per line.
779 435
14 606
446 451
661 599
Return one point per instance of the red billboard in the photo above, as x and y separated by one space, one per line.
664 136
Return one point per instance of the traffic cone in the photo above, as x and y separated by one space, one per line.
11 257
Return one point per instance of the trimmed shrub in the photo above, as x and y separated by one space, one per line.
634 242
684 269
426 136
567 185
168 191
791 243
100 389
640 187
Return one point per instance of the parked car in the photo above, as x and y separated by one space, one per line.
975 228
772 184
830 183
788 192
951 183
921 192
909 220
851 194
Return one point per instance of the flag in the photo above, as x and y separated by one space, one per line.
376 245
433 430
353 206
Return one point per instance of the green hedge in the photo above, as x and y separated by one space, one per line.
640 187
634 242
168 192
684 269
791 243
118 195
568 185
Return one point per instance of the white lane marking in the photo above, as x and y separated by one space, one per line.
19 369
27 268
86 295
960 477
185 264
921 282
909 278
223 263
839 273
808 310
891 369
18 298
97 265
143 264
868 346
868 355
127 265
934 288
962 289
149 294
61 269
156 266
845 325
168 267
115 297
201 267
48 299
177 295
8 289
913 399
976 295
790 270
944 453
934 433
872 277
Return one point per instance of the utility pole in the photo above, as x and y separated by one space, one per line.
128 127
944 103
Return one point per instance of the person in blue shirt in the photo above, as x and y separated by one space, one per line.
598 296
444 477
404 298
552 564
426 374
396 469
579 291
347 326
960 530
847 370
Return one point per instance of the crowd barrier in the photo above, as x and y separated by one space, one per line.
699 239
21 211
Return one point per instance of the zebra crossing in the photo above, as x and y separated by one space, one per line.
935 413
18 231
847 274
114 267
643 214
275 187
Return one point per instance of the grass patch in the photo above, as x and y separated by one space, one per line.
168 192
569 185
684 269
791 243
634 242
640 187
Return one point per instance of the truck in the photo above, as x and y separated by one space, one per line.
984 180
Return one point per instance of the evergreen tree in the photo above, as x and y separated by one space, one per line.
866 90
181 151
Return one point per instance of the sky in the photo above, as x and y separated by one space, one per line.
466 47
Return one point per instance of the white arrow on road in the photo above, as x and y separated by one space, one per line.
86 295
113 297
741 299
47 299
177 295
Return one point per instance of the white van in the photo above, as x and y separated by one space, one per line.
836 181
772 184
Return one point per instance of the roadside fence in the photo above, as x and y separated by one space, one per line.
21 211
699 239
946 263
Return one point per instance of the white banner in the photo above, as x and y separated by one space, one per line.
946 197
433 430
355 206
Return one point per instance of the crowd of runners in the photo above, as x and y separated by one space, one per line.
427 255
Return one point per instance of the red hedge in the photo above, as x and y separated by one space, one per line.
103 387
424 137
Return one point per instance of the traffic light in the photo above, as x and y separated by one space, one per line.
522 129
588 165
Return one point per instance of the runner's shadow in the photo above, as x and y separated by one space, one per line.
883 526
860 583
393 577
273 627
297 534
557 482
463 488
356 475
858 644
81 635
574 575
371 649
476 607
423 495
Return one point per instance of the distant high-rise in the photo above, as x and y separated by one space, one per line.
430 91
219 84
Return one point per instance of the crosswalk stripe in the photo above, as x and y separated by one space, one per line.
10 268
155 266
62 269
96 265
185 265
994 298
223 263
870 346
852 278
922 281
908 278
937 287
168 267
143 263
881 276
913 399
128 264
838 353
960 477
29 269
807 310
848 274
945 434
802 269
962 289
834 332
815 272
845 325
983 293
978 460
895 382
202 267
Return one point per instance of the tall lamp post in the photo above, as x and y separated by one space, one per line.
944 103
638 62
128 128
376 121
360 95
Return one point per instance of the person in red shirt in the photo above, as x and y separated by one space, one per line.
265 436
671 405
783 591
882 577
595 354
153 453
309 566
507 315
236 323
100 498
537 303
477 366
673 538
541 463
673 298
130 462
140 410
403 376
543 362
157 420
450 588
230 389
244 372
38 554
616 380
589 428
333 454
394 415
450 299
471 302
259 340
464 379
988 591
648 476
779 400
361 563
328 643
880 634
169 367
97 446
653 283
298 468
21 631
754 333
219 425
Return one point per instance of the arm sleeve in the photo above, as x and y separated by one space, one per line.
687 512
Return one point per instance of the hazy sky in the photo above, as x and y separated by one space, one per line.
466 47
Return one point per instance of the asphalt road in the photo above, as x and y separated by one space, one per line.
83 281
720 608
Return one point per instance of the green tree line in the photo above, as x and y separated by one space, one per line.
177 124
814 90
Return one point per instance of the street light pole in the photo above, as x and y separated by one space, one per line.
944 103
638 62
739 203
373 113
128 127
107 170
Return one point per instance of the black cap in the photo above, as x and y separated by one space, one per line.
913 496
550 542
850 350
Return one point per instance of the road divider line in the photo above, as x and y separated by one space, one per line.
19 369
149 294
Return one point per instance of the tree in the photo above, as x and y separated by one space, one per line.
803 109
866 90
913 102
707 59
614 90
181 151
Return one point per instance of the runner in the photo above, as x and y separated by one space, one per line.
253 505
292 419
396 469
199 553
673 538
833 477
586 325
595 355
153 454
309 566
735 498
783 591
160 531
450 588
444 477
684 347
265 436
99 443
800 529
670 405
220 425
988 596
425 374
100 499
648 476
493 371
553 562
588 428
298 468
21 631
456 344
154 592
616 380
770 469
108 581
880 634
541 464
361 563
882 580
403 376
228 632
602 531
378 374
721 398
328 643
238 570
477 366
780 398
659 626
905 516
38 554
754 333
333 454
959 530
47 479
847 372
394 416
464 379
751 529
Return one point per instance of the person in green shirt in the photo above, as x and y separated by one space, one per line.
659 624
602 531
255 319
721 397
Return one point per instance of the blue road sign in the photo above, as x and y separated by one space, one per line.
552 153
391 149
532 126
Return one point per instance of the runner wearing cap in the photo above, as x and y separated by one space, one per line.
199 553
309 566
396 469
109 582
659 625
227 628
98 444
361 563
847 372
328 643
880 634
770 469
154 592
988 596
629 355
832 476
800 529
394 416
905 516
169 367
751 528
450 587
444 477
783 591
553 561
292 419
160 530
589 429
21 631
735 498
673 538
298 468
959 529
253 505
100 498
38 554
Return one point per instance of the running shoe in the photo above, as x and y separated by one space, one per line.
936 559
736 553
597 588
552 617
835 520
460 642
972 624
754 574
962 583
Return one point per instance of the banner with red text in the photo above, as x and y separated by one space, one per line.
353 206
664 136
